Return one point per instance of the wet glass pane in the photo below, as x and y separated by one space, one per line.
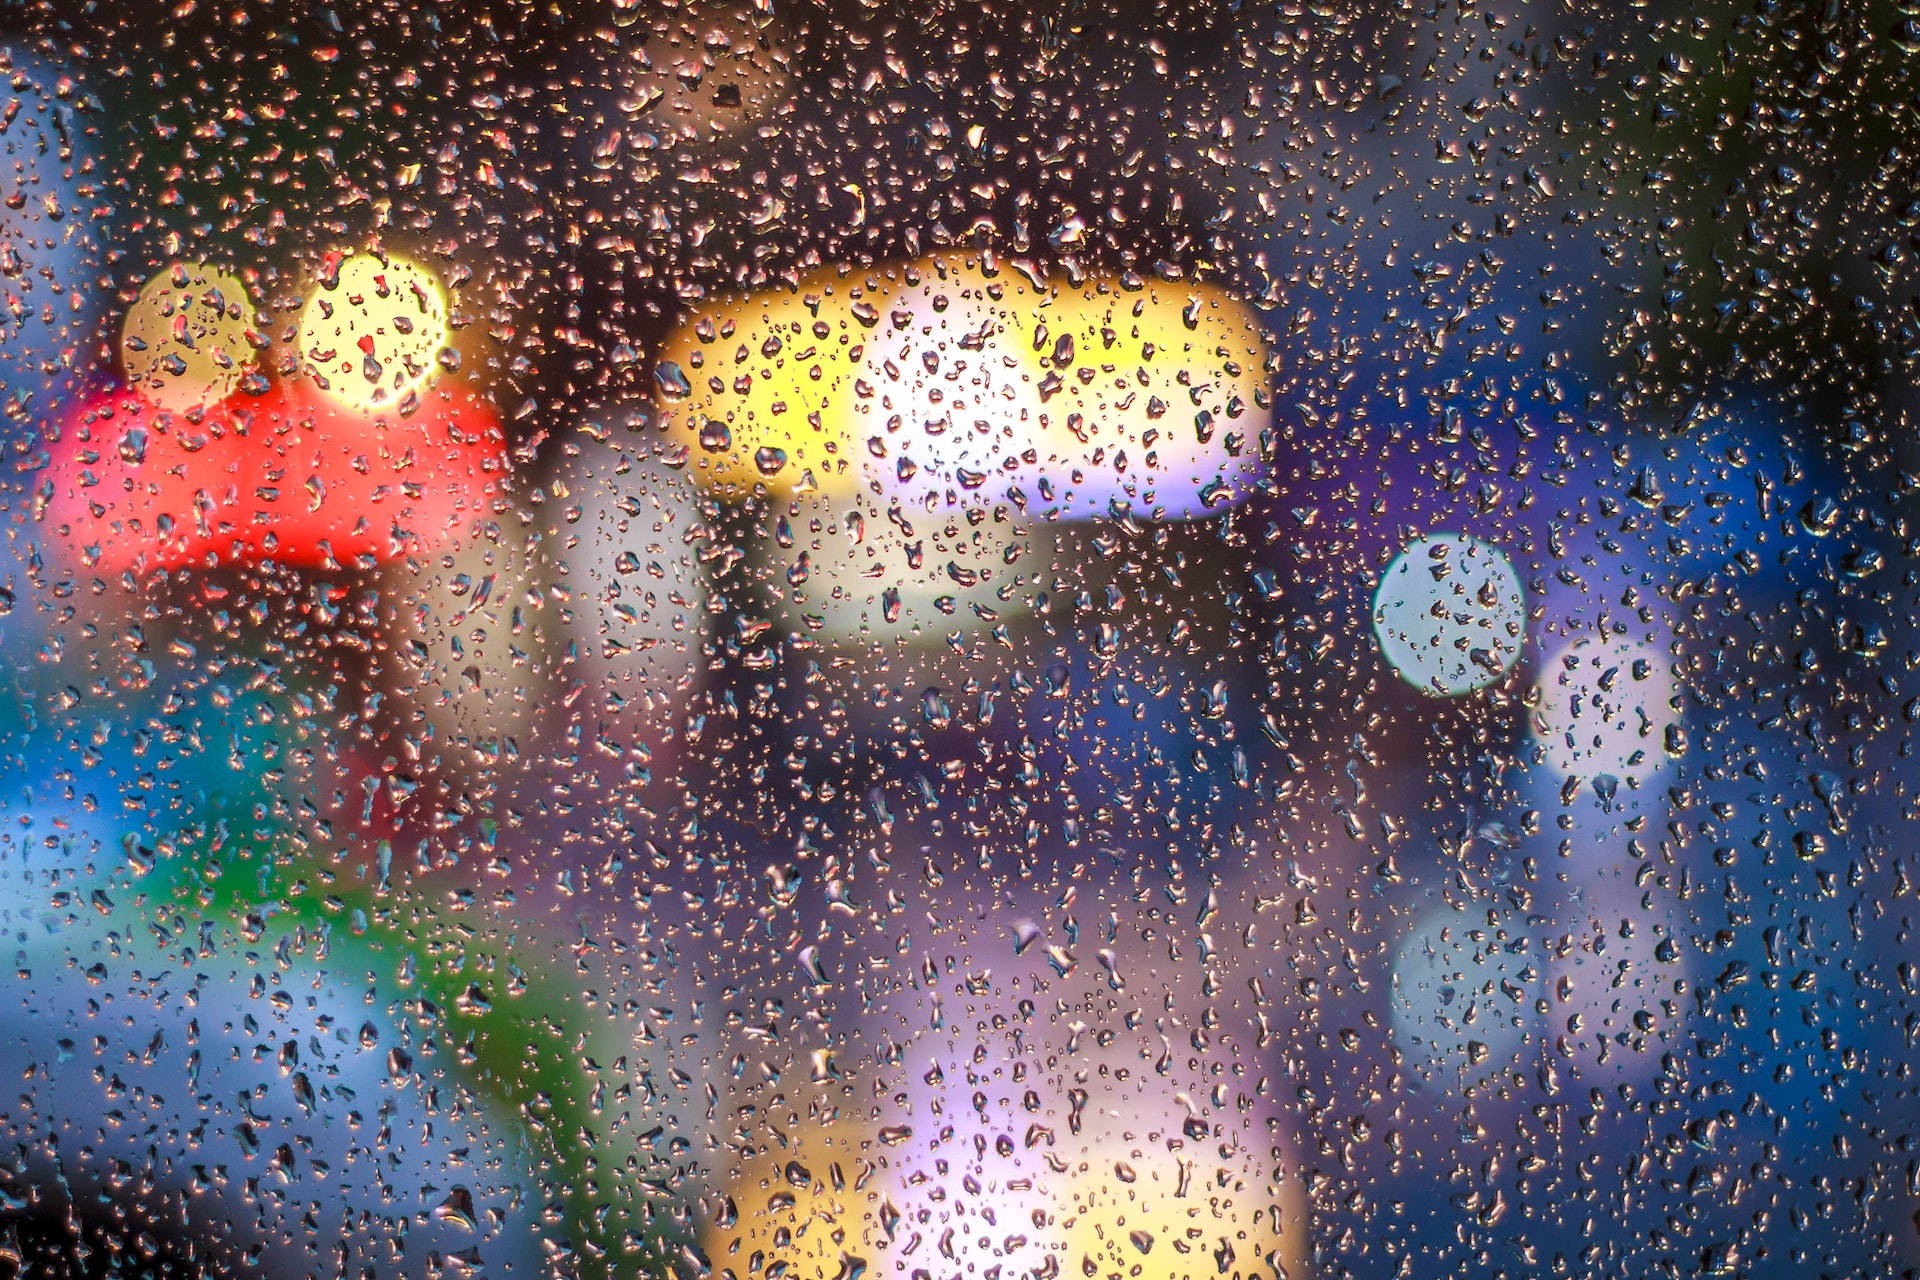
859 641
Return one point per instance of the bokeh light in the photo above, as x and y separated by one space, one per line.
762 390
1079 400
804 1208
372 330
188 339
288 476
1604 704
1449 614
1158 1210
958 383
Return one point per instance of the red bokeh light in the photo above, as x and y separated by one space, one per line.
287 477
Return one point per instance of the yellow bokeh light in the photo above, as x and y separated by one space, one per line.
954 383
187 339
1137 1213
769 392
1112 391
1178 381
372 335
802 1211
1151 1197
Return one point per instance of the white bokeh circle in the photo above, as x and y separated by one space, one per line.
1450 614
1464 987
1602 708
